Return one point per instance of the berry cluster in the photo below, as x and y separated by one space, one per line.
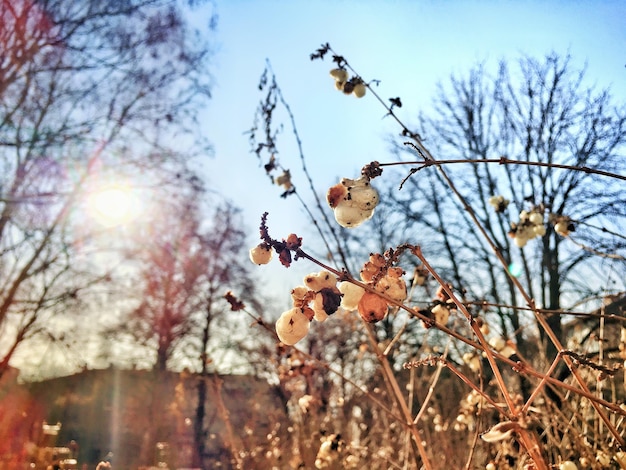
502 346
321 296
317 299
563 225
329 452
353 201
470 407
499 203
354 85
384 279
441 306
530 225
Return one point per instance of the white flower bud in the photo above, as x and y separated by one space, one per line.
292 326
568 465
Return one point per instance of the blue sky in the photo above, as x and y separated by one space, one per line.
408 45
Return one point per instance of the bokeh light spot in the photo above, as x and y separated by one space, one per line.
515 269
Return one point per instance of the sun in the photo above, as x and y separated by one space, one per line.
113 205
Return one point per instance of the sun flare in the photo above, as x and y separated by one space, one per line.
114 205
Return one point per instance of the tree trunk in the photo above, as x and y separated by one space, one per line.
554 302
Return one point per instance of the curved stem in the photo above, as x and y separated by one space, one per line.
500 161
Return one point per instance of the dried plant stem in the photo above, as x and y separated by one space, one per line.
399 396
481 339
500 161
431 387
542 384
521 367
528 440
318 203
531 303
259 321
429 160
470 383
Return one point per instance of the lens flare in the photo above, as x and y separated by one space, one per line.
113 205
515 269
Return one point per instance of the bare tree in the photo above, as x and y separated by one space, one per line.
187 266
540 113
88 91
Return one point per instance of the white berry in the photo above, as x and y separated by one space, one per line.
363 197
340 75
292 326
351 295
318 281
261 254
536 218
562 228
359 90
441 313
351 217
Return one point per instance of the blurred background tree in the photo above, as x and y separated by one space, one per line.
92 94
